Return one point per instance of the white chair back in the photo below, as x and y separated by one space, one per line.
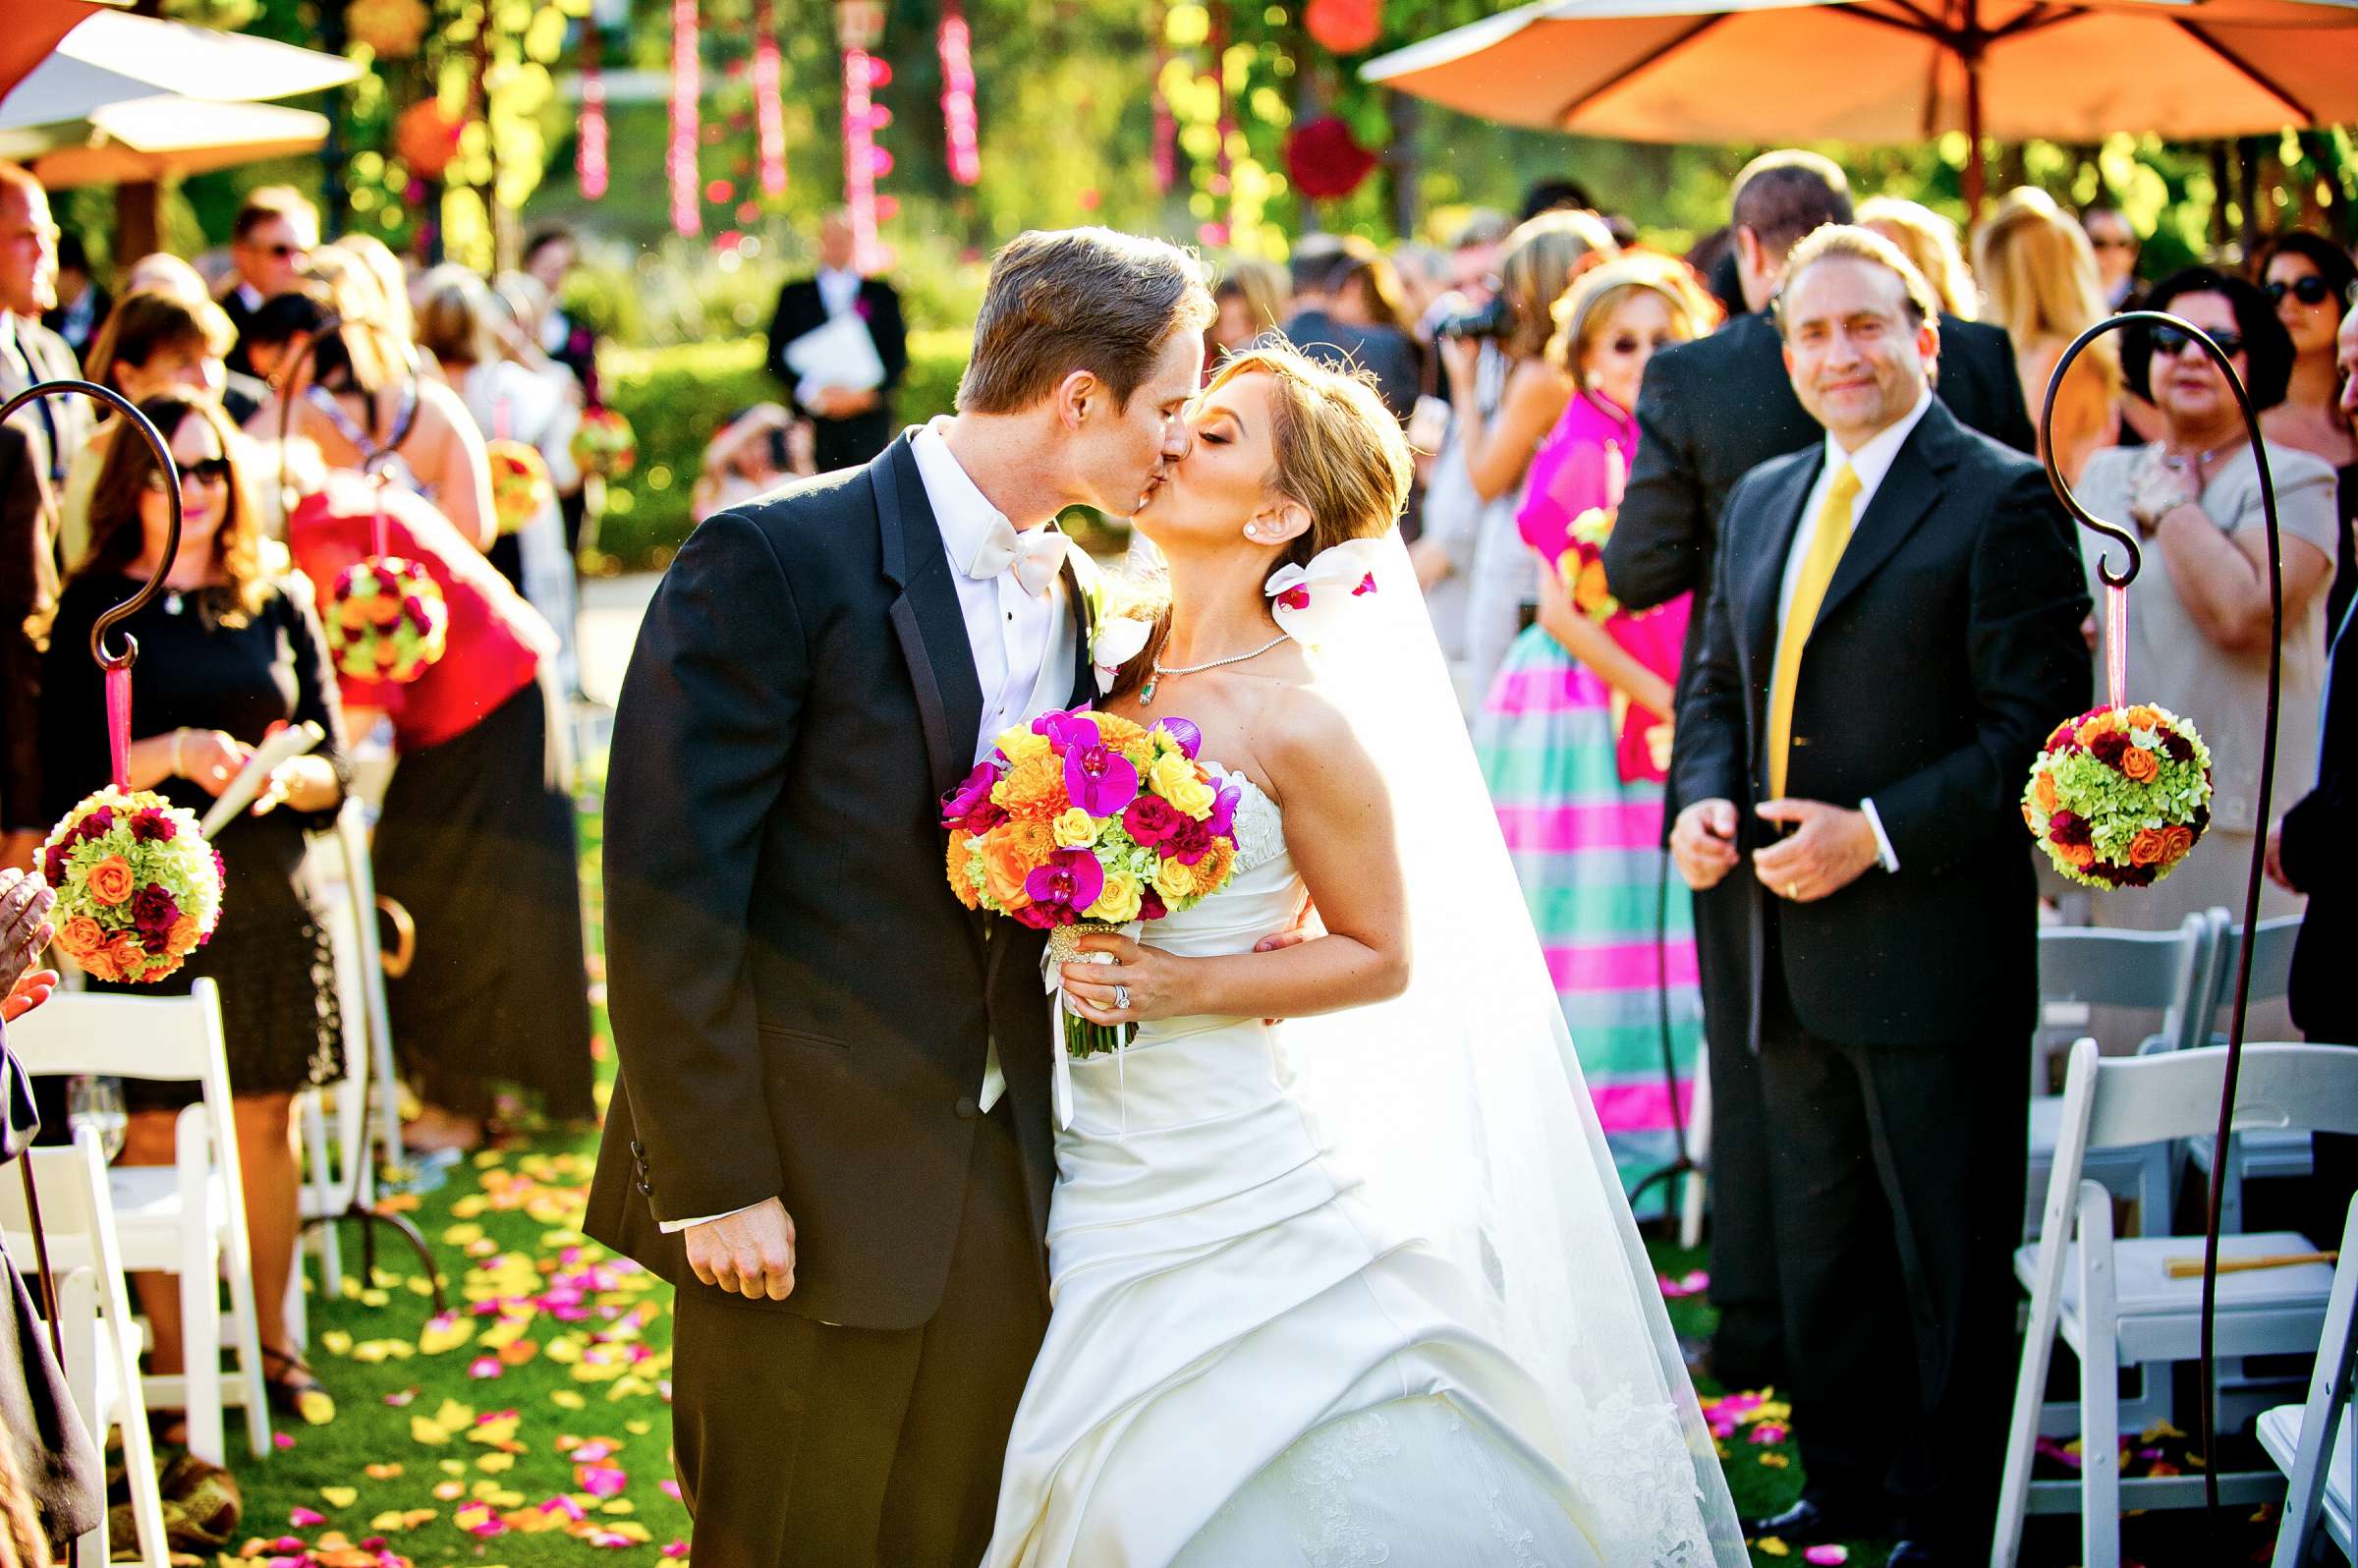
2324 1419
2271 961
2105 967
2145 1100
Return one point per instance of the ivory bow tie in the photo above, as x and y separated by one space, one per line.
1036 554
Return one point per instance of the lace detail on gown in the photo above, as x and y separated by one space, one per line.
1259 825
1332 1461
1636 1476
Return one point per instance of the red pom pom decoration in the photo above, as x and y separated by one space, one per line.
521 484
1345 27
1323 162
386 620
428 138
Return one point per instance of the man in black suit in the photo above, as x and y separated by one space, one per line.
1892 628
831 1131
1320 264
271 238
1708 412
849 425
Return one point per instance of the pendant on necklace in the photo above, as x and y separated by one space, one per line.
1146 693
172 602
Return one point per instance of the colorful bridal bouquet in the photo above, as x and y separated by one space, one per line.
520 485
2119 794
1582 565
1085 821
604 444
386 620
137 887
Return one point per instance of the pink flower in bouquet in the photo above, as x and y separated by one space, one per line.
1151 820
969 807
1099 779
1068 883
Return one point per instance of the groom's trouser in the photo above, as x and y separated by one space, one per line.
805 1445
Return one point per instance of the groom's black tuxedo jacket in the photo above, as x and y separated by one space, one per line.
801 1006
1946 647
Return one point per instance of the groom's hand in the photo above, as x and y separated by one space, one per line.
749 1254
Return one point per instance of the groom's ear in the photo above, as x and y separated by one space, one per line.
1282 522
1079 395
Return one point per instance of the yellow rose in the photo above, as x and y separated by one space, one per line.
1119 903
1175 879
1021 745
1176 779
1074 828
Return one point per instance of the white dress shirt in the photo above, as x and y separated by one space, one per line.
1870 462
1012 635
838 289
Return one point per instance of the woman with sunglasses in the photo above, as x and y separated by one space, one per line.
2198 615
228 652
2312 281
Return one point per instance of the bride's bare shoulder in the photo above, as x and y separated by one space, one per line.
1310 747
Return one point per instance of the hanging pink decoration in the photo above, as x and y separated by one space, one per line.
958 123
863 160
1345 27
686 92
1324 160
767 108
1166 135
589 143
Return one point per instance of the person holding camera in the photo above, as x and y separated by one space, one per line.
754 451
1504 397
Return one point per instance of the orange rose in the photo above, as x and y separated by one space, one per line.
1590 592
184 934
2094 728
385 609
2043 791
1004 868
81 936
2147 848
353 614
99 965
2143 717
129 956
2140 766
2176 840
2081 855
960 855
111 881
2029 819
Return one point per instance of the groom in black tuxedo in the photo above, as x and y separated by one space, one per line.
831 1131
1893 630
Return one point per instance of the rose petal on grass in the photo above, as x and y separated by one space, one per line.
1827 1554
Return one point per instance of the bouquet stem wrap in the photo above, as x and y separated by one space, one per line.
1076 1035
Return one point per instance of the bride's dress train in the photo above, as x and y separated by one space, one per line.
1245 1368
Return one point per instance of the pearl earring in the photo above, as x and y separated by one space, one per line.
1252 531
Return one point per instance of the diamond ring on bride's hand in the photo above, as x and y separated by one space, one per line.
1121 998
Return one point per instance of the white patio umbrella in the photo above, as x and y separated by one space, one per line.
1886 70
113 58
156 138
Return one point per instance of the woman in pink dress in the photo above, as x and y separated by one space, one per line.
1575 733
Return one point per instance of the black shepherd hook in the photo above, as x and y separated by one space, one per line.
2127 539
170 470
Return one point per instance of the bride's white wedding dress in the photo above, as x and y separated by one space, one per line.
1244 1367
1360 1288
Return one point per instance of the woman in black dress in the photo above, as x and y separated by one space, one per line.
226 655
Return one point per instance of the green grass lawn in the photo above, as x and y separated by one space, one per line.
529 1425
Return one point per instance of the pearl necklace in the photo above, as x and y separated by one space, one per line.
1146 693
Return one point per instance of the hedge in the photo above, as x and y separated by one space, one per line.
676 397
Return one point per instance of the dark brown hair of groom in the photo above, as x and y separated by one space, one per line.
1078 300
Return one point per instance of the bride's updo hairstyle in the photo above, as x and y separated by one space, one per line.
1341 454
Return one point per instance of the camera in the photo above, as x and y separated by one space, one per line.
1492 320
781 457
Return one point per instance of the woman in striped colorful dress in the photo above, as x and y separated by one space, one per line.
1575 733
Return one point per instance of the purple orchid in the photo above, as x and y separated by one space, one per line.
1222 822
1066 728
1099 779
1070 881
1183 733
968 805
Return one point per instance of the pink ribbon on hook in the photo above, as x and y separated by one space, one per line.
2116 643
117 721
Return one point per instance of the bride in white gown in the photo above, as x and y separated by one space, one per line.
1359 1287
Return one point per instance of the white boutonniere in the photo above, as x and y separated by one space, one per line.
1114 642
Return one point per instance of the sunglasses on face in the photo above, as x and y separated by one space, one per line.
1626 344
208 472
2169 342
2310 289
2096 244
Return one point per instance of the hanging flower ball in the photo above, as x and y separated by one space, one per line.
137 887
386 620
1345 27
2119 794
520 485
1323 162
604 444
428 138
391 28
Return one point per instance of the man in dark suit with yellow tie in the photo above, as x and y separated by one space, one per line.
1892 628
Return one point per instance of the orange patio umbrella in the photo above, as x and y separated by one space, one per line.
1891 71
32 30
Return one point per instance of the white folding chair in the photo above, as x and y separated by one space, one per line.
2267 1154
2296 1436
186 1218
2105 967
1699 1150
2114 1303
94 1319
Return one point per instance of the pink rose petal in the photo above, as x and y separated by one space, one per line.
305 1518
1827 1554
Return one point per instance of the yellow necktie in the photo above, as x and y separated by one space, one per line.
1809 591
